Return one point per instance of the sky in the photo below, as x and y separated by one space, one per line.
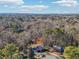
39 6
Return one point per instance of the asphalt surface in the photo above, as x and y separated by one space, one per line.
50 57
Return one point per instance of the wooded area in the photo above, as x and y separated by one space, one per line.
60 30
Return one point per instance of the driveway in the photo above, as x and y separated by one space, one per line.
50 57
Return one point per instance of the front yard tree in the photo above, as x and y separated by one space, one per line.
71 52
9 51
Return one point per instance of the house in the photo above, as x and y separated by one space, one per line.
37 46
38 49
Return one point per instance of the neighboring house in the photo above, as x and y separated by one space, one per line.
58 48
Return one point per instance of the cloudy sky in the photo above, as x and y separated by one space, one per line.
39 6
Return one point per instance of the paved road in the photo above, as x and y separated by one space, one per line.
50 57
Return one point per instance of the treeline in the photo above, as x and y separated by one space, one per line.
53 29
